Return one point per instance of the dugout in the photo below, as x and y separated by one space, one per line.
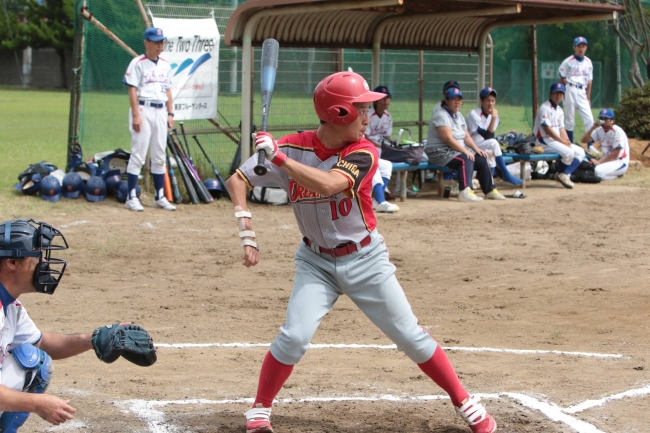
424 25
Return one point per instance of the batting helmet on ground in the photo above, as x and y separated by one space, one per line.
50 188
214 187
123 192
113 180
334 96
95 189
72 185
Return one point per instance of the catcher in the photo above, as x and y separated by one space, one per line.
26 353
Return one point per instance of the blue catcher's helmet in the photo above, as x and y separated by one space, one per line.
72 185
50 188
95 189
113 180
123 192
214 187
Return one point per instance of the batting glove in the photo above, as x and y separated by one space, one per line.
264 141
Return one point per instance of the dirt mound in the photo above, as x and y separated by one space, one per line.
636 147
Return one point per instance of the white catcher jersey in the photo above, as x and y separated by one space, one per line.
16 325
576 71
379 127
328 221
551 115
476 120
152 79
613 139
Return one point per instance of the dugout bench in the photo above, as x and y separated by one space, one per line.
403 166
529 158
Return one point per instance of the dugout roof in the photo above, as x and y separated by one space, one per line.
439 25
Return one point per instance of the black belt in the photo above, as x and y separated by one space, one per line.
579 86
152 104
342 250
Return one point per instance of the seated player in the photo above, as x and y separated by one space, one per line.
449 144
551 135
482 123
380 127
614 146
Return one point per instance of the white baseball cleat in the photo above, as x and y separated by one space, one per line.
258 419
468 195
564 179
163 203
384 206
495 195
134 205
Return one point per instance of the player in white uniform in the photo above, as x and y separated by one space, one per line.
614 144
328 176
482 123
149 78
380 126
551 135
26 266
577 74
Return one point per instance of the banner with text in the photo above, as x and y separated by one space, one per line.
192 49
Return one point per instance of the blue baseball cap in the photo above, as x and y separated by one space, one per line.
453 92
449 84
557 87
487 92
606 113
154 34
580 40
384 90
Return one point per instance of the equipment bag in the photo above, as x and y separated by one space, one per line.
409 153
266 195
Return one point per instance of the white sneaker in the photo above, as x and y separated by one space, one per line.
134 205
495 195
163 203
455 190
468 195
384 206
564 179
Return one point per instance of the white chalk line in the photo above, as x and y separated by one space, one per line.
147 410
74 223
387 347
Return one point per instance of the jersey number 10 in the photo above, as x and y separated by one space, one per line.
343 209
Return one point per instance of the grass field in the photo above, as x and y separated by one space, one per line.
36 126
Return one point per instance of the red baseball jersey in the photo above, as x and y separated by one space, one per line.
329 221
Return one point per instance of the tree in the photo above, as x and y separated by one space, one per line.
45 24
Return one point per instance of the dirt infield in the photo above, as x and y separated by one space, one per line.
560 271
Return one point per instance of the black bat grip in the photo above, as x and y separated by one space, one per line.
260 168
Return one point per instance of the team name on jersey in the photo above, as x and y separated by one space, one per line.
298 193
155 76
351 168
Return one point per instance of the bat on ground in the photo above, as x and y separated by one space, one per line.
270 49
199 187
181 168
214 169
187 145
176 191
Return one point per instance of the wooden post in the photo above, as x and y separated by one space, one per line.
534 68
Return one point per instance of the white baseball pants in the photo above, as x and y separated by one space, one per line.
367 277
153 132
384 170
576 99
567 154
611 170
491 146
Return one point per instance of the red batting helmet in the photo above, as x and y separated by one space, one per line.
334 96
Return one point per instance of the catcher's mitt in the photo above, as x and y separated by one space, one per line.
130 341
524 148
538 149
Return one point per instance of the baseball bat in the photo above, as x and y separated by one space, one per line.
187 145
176 191
214 169
181 168
270 49
199 187
168 187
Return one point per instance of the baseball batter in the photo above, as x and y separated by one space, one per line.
328 176
482 122
577 73
614 145
149 78
26 353
552 136
380 126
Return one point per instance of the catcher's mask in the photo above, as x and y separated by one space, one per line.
20 239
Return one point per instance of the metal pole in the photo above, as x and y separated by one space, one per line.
145 18
618 64
420 97
535 83
490 45
341 59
